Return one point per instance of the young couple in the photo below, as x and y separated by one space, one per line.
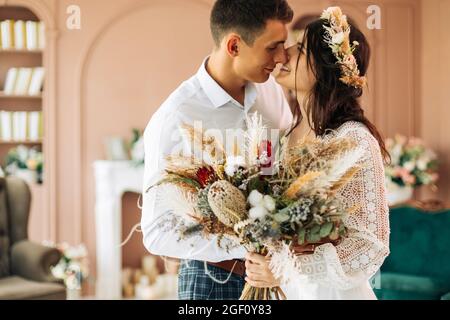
327 77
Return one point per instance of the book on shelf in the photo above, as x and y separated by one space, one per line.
7 34
23 81
34 125
20 40
6 125
32 35
41 35
10 81
22 35
21 126
37 81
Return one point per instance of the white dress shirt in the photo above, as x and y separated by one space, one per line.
198 99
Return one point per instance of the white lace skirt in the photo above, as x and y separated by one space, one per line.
301 290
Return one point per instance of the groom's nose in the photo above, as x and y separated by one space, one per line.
281 56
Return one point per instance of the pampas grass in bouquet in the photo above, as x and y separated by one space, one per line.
229 196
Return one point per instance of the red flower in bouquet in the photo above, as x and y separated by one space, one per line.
205 176
265 153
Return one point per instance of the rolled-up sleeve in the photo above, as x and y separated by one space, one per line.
162 138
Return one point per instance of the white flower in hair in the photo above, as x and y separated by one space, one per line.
326 14
338 38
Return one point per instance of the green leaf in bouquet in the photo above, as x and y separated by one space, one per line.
301 236
281 217
314 234
334 234
282 203
315 229
257 184
342 230
313 237
326 229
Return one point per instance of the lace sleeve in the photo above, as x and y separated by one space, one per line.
362 252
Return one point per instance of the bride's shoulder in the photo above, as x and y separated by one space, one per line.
351 127
354 129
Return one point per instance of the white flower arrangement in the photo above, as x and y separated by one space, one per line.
24 158
73 267
412 164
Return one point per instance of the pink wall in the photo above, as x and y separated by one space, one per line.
123 63
129 55
435 86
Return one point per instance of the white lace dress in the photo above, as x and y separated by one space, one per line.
344 271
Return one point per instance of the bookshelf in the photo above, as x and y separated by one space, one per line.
19 58
39 224
43 215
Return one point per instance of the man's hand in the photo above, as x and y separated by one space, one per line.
258 272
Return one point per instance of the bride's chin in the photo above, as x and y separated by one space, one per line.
282 81
279 79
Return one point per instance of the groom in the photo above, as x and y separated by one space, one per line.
232 82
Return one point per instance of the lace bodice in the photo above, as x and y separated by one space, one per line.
362 252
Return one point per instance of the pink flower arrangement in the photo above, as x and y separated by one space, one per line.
412 164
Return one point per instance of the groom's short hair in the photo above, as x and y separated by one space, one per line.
247 18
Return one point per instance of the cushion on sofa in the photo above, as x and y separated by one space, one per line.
17 288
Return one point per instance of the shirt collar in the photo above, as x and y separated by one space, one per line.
218 96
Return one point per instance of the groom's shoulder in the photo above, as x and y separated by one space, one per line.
183 93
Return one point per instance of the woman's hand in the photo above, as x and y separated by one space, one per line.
258 272
309 248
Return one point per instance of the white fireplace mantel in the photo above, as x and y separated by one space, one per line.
112 180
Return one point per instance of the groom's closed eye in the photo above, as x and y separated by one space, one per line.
275 45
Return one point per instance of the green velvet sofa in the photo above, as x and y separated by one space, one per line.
418 267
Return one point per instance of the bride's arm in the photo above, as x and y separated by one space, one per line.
362 251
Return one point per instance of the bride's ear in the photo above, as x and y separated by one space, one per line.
232 44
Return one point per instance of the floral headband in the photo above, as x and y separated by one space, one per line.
337 36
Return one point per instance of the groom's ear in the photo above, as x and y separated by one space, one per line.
233 42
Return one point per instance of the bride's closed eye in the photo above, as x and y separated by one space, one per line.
301 47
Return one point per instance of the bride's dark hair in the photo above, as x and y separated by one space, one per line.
331 102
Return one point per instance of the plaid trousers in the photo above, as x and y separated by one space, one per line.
194 283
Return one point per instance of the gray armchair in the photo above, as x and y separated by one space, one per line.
24 265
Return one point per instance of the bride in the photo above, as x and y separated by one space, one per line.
328 78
